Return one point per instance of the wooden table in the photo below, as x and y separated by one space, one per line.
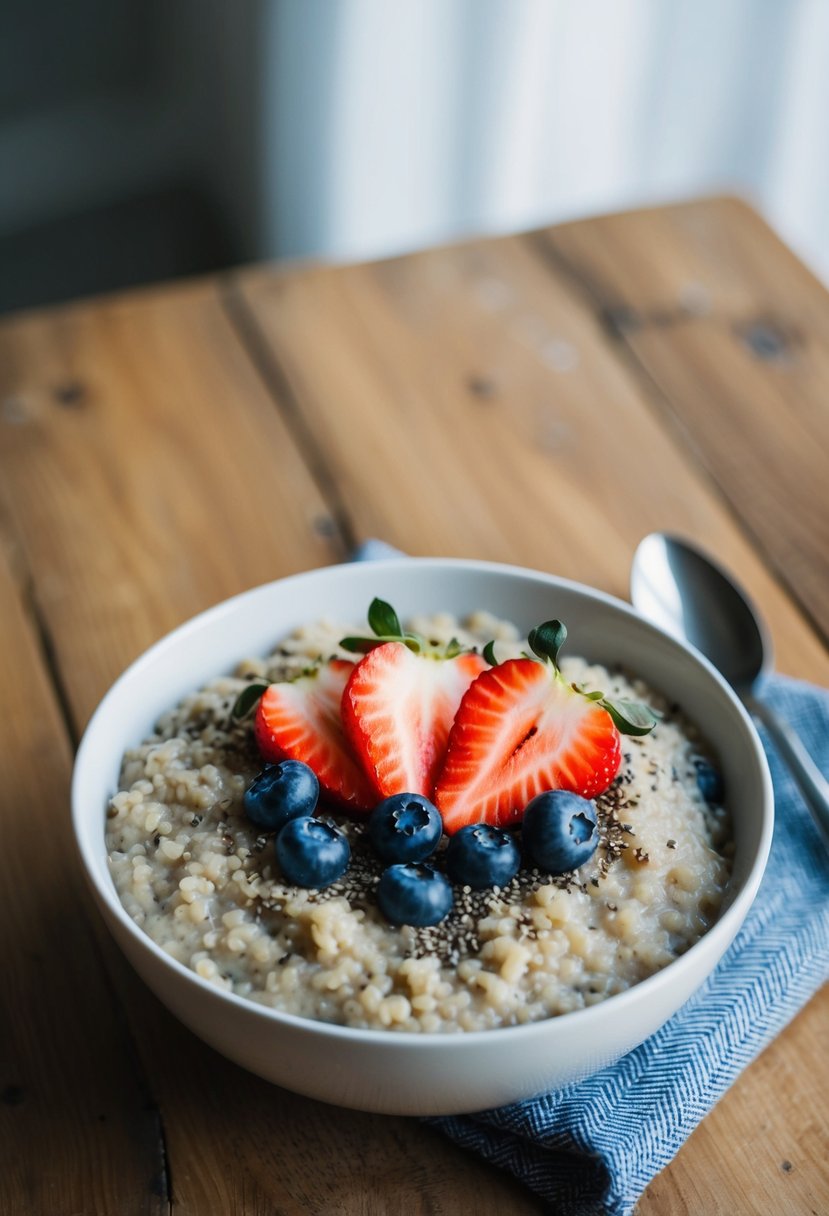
544 400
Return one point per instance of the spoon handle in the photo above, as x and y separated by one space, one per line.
813 785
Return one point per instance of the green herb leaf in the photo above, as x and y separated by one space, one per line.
364 645
586 693
246 700
383 620
385 625
547 640
489 653
453 648
630 717
359 645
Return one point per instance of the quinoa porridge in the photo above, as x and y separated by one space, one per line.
203 881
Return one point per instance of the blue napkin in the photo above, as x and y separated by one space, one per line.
591 1148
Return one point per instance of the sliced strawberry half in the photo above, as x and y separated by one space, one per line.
521 729
397 710
300 720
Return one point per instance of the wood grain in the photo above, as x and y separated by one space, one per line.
162 450
148 475
470 404
733 333
764 1146
238 1146
77 1127
480 387
166 481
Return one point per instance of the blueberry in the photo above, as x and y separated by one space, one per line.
560 832
481 856
413 895
312 853
709 781
405 827
281 792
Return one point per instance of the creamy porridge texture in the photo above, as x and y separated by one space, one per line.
203 881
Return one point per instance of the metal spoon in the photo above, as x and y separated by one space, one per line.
681 589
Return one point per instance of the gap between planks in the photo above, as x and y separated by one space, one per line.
611 320
279 388
49 657
22 586
163 1179
22 582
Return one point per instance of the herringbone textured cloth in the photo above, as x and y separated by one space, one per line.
593 1147
590 1149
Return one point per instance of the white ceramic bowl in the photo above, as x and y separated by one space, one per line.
397 1072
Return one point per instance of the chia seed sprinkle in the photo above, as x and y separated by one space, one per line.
235 913
456 936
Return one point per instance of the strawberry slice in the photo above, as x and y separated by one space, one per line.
519 731
300 720
397 710
522 729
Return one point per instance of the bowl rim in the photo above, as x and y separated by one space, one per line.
725 927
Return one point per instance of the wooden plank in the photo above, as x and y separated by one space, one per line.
241 1147
733 333
77 1128
468 403
148 473
560 402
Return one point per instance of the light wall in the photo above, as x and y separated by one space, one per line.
391 125
355 128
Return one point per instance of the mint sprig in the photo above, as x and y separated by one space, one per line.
246 700
545 641
383 620
630 717
386 627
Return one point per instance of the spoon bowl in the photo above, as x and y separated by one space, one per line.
684 591
691 597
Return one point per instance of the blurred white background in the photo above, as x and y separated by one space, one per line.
356 128
411 122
